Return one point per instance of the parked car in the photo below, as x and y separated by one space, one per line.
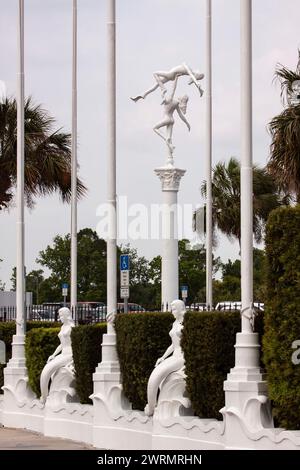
198 307
91 312
237 305
132 308
48 311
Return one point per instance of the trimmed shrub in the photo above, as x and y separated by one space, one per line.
8 329
141 339
86 346
40 343
282 316
208 341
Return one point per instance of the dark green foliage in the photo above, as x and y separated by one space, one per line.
226 198
282 317
230 286
208 341
284 162
8 329
47 155
86 346
39 345
141 339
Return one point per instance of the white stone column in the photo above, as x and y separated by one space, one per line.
73 296
109 403
170 178
246 388
208 158
16 390
17 363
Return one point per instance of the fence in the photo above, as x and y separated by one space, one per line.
82 314
85 314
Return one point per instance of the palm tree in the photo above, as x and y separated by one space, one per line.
226 199
47 155
284 162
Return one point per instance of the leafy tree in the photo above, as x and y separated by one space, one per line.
91 254
226 199
192 261
144 290
37 284
13 279
47 155
229 289
139 266
34 283
2 285
284 162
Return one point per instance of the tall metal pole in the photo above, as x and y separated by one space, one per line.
107 374
246 163
208 139
111 177
74 168
246 384
21 323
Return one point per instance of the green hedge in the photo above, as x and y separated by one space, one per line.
40 343
208 341
86 346
282 317
8 329
141 339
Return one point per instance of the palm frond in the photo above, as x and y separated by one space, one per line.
284 162
47 155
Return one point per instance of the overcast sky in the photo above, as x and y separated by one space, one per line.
152 35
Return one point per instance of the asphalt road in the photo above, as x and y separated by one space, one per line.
18 439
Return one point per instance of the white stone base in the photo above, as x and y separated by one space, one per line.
134 430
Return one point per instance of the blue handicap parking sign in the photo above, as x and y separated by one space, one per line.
124 262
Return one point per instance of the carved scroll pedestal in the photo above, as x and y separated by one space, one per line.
172 400
62 388
247 408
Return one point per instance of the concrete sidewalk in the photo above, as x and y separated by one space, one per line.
18 439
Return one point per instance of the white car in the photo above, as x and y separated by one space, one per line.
237 305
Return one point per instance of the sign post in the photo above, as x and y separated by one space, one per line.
65 287
184 293
124 273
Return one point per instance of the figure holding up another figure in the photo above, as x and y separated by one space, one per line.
171 104
163 77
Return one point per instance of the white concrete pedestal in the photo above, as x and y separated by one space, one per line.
170 178
247 407
16 389
108 398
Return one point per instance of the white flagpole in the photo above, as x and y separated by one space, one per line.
209 228
111 177
246 164
74 168
21 317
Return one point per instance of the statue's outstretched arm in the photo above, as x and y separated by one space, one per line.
174 87
183 118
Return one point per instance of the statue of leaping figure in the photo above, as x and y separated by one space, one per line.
171 104
163 77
